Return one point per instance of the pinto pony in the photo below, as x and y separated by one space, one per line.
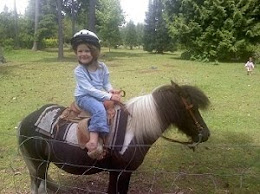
150 115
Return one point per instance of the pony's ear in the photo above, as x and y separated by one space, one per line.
177 87
174 85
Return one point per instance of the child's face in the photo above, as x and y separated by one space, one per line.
83 54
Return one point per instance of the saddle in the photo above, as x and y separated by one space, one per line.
74 114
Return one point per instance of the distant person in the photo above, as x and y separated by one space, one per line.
249 66
92 87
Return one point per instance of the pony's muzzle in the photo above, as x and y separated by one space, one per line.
205 135
202 136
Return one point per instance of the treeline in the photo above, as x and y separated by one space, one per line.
205 30
39 27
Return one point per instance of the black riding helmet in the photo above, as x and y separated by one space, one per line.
85 36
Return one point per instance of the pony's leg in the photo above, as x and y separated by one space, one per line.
119 182
32 170
38 172
40 181
35 181
39 176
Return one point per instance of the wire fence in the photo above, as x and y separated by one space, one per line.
167 168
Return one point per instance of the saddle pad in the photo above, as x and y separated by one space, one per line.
67 132
117 132
47 121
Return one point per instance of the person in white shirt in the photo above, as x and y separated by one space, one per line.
249 66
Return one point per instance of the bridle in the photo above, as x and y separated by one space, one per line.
199 128
188 108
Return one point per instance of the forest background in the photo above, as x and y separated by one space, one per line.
208 30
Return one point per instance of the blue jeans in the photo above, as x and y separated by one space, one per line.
98 122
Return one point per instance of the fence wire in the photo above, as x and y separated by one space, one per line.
167 168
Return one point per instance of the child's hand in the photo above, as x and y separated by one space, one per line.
119 92
116 97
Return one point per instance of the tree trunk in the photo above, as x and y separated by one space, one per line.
36 18
92 15
73 17
17 45
60 53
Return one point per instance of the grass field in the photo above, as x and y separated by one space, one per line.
229 162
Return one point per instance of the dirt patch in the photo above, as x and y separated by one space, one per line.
98 183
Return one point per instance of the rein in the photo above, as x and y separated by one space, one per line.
199 128
190 145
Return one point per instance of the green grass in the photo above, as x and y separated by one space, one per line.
228 163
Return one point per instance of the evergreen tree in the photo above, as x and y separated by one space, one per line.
215 29
149 28
131 35
156 37
140 34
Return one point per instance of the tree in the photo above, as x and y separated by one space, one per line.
76 10
16 28
109 18
140 33
73 16
156 37
60 34
36 20
131 35
92 15
7 34
215 29
149 28
47 20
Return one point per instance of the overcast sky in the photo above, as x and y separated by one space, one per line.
133 9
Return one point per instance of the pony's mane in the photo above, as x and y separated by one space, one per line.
143 120
151 114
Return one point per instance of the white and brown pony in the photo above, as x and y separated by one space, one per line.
149 116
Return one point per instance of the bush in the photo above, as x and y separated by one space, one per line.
8 44
25 41
186 55
50 43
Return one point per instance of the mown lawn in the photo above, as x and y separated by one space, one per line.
228 163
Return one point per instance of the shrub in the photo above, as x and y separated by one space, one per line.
8 43
186 55
50 43
256 54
